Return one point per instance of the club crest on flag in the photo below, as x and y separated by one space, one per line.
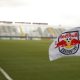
68 42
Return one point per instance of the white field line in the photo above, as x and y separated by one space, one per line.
5 74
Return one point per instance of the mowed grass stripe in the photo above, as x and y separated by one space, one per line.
28 60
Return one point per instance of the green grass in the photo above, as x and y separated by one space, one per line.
28 60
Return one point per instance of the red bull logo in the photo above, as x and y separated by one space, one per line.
68 42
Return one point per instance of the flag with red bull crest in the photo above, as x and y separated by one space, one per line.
66 44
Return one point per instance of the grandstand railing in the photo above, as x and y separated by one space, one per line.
25 37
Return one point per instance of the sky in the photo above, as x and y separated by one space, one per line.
53 12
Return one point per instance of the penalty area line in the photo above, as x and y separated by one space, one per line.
5 74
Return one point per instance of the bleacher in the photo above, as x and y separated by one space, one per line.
7 31
36 31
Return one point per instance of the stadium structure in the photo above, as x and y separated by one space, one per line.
28 30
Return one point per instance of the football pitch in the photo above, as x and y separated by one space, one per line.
28 60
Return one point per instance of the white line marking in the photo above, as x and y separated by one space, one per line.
5 74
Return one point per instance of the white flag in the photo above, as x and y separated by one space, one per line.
66 44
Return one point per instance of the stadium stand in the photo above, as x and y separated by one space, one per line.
26 30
